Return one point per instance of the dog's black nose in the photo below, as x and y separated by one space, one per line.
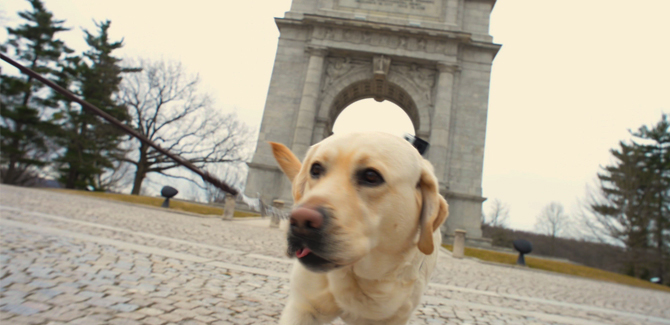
306 219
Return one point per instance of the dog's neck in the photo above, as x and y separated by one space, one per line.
380 266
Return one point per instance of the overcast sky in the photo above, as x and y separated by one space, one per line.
572 77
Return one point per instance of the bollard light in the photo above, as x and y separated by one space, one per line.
523 247
168 192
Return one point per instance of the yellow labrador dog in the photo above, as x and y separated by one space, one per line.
364 228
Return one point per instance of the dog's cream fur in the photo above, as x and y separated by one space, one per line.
385 239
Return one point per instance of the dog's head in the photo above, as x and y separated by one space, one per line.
360 192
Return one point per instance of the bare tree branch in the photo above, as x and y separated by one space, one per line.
169 110
498 216
552 220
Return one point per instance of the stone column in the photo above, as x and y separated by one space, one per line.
229 207
274 218
302 136
459 243
319 130
439 134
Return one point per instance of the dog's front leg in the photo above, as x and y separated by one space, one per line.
300 312
310 301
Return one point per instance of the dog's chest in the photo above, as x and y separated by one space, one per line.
374 299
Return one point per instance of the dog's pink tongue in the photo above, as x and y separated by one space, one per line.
300 253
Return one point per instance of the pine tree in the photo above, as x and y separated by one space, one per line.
23 106
634 206
92 145
654 146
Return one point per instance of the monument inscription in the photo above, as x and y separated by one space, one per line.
425 8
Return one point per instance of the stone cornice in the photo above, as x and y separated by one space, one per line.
385 27
317 50
263 166
492 2
447 67
493 47
398 37
464 196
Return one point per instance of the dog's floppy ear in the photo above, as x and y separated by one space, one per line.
434 208
292 167
287 161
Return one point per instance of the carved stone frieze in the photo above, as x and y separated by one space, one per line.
423 78
339 67
384 39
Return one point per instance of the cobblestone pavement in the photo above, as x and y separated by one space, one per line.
78 260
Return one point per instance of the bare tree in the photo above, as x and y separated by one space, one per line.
552 220
498 215
596 227
232 175
166 107
114 179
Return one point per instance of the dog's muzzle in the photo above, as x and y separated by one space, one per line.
308 240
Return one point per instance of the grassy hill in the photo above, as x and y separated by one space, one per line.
191 207
560 267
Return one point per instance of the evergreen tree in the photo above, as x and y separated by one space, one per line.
92 145
23 106
634 206
655 148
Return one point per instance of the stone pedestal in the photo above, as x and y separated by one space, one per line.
229 207
459 243
274 218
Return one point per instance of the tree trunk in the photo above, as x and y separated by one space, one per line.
13 173
553 245
140 174
72 176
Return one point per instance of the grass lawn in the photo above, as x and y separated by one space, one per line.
560 267
156 201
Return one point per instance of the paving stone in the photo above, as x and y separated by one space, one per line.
19 309
21 320
63 314
125 307
163 307
153 321
185 305
192 322
185 312
171 317
101 302
90 294
131 315
123 321
151 311
208 319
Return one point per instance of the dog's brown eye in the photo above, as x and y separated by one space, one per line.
316 170
370 177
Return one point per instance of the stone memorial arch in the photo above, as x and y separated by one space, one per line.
430 57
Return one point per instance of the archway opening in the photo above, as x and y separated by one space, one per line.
370 115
